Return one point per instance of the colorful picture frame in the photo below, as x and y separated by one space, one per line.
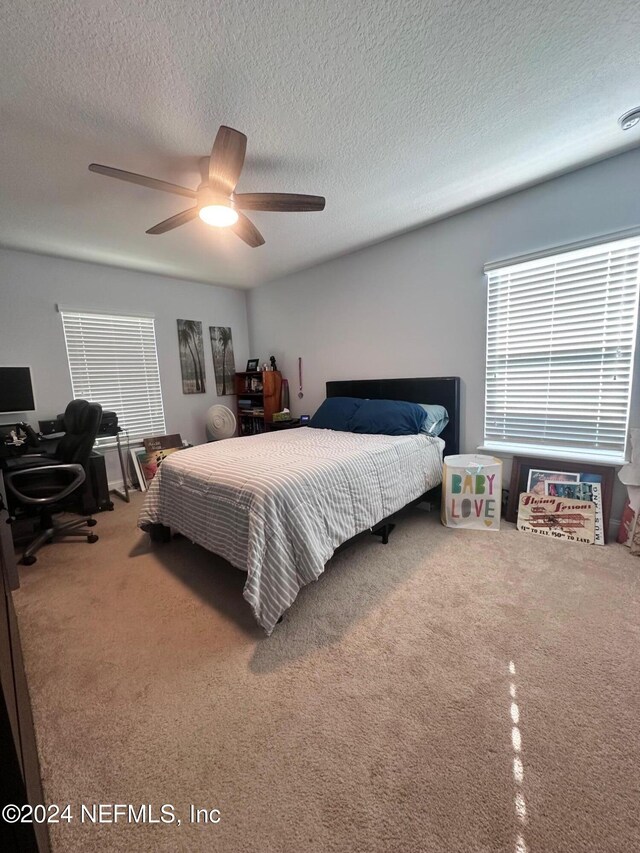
523 465
146 463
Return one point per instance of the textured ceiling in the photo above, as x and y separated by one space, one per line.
398 112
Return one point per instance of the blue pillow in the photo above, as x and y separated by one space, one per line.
388 417
437 419
335 413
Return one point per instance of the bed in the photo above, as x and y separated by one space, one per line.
278 505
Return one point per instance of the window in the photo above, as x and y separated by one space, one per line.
561 331
113 361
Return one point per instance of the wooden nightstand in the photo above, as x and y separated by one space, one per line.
272 426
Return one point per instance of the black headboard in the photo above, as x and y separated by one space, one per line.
440 390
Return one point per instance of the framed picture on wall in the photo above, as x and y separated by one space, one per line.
191 356
224 365
562 479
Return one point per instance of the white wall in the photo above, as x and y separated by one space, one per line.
415 305
411 306
31 329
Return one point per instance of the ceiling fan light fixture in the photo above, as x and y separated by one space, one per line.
218 215
630 119
216 201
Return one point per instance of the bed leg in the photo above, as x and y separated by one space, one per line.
160 533
383 532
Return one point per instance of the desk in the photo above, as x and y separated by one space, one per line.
20 768
7 551
292 423
8 453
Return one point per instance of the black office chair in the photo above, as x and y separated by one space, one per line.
50 484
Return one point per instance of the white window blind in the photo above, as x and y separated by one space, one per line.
561 336
113 361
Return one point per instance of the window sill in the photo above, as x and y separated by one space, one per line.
549 453
98 448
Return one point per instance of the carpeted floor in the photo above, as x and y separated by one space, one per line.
452 691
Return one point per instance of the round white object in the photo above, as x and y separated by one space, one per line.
220 423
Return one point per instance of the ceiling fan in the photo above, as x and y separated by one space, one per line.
217 203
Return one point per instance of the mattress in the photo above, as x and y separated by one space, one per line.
277 505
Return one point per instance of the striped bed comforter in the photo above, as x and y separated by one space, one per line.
278 505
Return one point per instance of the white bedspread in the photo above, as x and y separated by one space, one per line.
278 505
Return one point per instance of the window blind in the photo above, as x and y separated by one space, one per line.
113 361
561 336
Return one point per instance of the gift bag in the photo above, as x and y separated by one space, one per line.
471 492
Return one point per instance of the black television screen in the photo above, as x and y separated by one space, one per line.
16 390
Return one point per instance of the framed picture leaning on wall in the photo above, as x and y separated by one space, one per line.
551 476
147 462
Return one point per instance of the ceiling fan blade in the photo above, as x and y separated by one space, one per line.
227 159
247 231
279 202
143 180
174 221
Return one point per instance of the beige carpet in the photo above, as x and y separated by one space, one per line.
378 717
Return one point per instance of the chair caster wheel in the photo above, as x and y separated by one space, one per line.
92 538
91 522
28 561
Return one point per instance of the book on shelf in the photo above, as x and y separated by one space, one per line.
258 397
252 426
253 385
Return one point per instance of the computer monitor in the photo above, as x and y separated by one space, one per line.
16 390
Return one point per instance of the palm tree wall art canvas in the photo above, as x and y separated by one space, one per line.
224 365
191 356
